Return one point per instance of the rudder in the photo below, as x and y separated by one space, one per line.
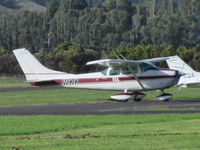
31 67
176 63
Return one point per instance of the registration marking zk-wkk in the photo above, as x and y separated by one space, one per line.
70 81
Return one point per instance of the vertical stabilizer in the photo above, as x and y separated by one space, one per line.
190 78
176 63
32 68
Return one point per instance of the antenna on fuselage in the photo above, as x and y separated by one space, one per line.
122 57
118 57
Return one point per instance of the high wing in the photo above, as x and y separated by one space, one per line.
118 62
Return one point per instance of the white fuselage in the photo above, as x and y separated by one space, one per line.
191 79
151 80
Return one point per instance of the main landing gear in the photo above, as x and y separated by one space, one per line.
138 96
164 96
124 97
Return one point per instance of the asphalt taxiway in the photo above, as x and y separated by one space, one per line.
105 108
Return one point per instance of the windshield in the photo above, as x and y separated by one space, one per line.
147 66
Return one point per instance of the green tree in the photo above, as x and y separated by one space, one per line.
123 5
52 8
73 4
110 4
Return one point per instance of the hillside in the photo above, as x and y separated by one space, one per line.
2 8
40 5
13 5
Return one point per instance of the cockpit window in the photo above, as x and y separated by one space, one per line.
114 71
120 70
134 69
111 71
147 66
126 70
104 72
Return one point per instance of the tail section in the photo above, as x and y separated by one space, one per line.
191 77
33 69
176 63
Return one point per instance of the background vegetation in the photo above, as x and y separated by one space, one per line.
71 29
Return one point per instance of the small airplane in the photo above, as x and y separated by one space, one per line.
120 74
191 77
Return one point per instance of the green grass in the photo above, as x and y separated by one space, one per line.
53 96
178 93
113 132
10 82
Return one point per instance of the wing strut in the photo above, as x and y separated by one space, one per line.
142 87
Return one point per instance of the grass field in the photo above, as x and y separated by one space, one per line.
53 96
74 95
13 82
80 95
113 132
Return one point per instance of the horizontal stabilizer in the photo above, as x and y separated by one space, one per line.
46 83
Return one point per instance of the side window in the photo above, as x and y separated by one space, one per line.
104 72
135 69
126 70
146 66
114 71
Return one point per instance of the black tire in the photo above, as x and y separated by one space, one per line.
137 100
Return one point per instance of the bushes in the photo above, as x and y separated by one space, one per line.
72 58
190 55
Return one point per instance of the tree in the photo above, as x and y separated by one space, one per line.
52 8
79 4
123 5
73 4
71 58
110 4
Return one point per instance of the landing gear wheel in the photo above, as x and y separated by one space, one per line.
138 96
121 101
164 97
137 99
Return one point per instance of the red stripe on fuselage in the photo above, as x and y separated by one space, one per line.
99 80
91 80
